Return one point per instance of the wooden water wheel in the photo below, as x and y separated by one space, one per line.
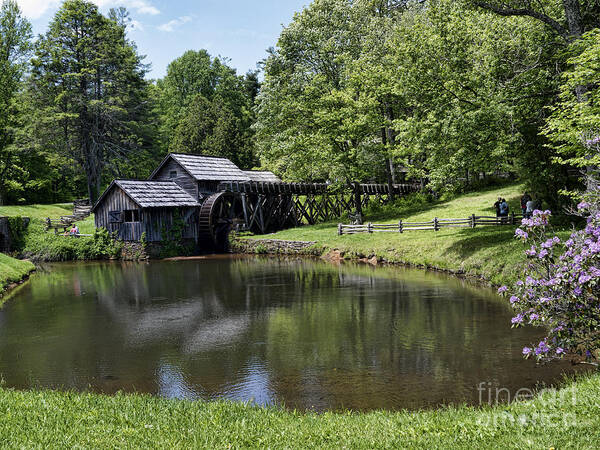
219 214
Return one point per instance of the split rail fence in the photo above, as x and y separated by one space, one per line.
436 224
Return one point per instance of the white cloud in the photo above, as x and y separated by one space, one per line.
139 6
175 23
34 9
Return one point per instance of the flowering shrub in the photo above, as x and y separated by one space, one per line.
561 290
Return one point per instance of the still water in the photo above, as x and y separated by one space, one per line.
300 333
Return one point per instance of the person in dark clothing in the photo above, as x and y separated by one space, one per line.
497 206
524 199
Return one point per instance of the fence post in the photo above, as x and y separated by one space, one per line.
400 225
340 229
512 218
473 223
436 226
369 227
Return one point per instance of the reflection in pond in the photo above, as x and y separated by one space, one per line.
301 333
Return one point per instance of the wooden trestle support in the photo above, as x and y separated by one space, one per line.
268 207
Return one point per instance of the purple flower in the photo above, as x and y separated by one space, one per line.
584 278
521 234
533 317
527 350
542 348
543 253
502 289
560 350
583 205
517 319
514 299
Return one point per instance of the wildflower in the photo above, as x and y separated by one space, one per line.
502 289
514 299
517 319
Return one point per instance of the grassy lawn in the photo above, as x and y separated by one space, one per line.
54 211
490 252
12 270
568 418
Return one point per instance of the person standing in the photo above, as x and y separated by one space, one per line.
497 206
524 199
530 207
503 208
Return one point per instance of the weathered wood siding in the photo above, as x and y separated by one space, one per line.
183 179
158 219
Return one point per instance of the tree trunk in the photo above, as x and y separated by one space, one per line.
574 19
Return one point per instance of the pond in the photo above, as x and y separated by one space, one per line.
301 333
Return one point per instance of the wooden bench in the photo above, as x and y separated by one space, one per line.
56 224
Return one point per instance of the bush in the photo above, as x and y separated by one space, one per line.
561 290
40 245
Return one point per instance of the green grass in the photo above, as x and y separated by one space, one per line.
42 245
568 418
489 252
13 270
54 211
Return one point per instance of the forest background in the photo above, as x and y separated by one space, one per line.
452 93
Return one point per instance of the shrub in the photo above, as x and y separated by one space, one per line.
561 289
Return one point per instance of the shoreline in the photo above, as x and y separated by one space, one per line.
336 256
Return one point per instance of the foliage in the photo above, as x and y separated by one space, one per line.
87 81
561 290
15 46
41 245
574 126
204 107
172 242
17 228
447 92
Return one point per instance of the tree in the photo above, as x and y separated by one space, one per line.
210 128
568 18
88 84
15 46
196 78
574 126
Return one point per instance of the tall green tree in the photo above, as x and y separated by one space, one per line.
87 82
15 46
197 78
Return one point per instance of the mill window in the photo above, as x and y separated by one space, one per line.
173 174
131 215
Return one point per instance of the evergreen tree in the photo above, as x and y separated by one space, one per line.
90 95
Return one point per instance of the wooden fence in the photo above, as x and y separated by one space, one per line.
436 224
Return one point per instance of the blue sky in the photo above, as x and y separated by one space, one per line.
240 30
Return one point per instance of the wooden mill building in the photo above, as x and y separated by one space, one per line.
179 186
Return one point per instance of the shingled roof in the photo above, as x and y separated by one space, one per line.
152 194
206 168
262 175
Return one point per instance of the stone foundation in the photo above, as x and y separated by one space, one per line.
275 246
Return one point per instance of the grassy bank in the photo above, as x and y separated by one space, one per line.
569 418
13 270
42 245
489 252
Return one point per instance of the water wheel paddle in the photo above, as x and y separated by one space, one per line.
218 215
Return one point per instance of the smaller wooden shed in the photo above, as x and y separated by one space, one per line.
131 208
